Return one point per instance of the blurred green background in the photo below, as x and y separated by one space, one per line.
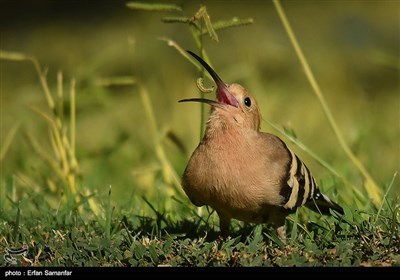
352 47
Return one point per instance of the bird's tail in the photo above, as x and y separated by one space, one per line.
321 204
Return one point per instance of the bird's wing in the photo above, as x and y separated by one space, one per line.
299 186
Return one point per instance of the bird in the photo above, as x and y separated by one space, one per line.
243 173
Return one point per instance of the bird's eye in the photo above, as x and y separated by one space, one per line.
247 101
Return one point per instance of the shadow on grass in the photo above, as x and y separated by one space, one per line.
188 228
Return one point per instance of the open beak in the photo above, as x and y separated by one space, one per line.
224 97
213 103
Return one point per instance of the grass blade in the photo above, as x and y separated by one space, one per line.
385 196
177 20
234 22
107 226
153 7
293 235
16 227
14 56
60 96
168 171
8 141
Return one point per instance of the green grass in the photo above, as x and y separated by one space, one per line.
91 156
66 237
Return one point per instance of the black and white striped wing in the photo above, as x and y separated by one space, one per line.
301 189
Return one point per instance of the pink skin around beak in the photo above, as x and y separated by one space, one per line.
223 94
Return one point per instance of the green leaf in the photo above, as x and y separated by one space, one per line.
133 262
168 244
139 250
153 7
274 238
293 235
230 242
176 20
348 214
153 254
234 22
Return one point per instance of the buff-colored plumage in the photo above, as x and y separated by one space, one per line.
243 173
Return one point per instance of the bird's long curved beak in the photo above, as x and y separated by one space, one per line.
213 103
223 94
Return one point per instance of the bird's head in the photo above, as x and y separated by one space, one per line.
233 105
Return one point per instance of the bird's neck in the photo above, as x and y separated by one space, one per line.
223 129
218 125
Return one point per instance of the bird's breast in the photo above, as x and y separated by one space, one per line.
229 176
